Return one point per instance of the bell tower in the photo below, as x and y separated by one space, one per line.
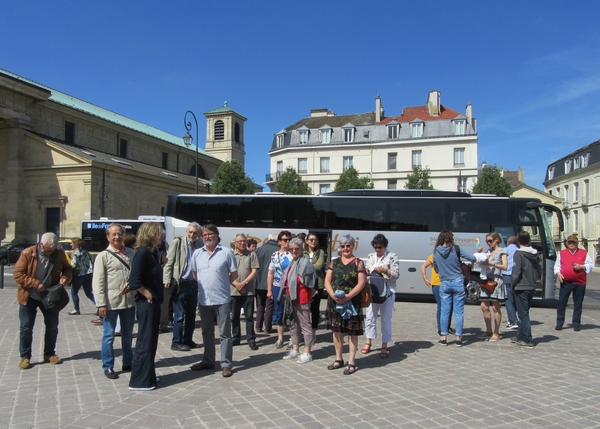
225 134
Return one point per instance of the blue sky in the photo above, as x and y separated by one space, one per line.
530 69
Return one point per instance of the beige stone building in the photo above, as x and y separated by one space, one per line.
65 160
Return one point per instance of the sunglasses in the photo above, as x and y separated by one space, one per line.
346 246
311 239
286 239
377 247
571 242
491 240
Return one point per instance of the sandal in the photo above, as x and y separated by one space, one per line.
495 337
366 349
384 352
350 369
336 365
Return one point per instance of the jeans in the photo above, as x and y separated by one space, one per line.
223 315
143 372
452 295
185 302
277 307
127 317
86 282
247 303
563 297
264 310
523 300
438 313
511 311
27 314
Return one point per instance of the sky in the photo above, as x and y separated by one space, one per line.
531 69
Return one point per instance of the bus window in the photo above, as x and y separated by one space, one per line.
478 215
416 215
349 214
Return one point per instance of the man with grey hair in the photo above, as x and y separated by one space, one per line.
178 278
264 304
38 268
242 292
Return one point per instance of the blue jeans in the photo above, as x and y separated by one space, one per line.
438 313
452 294
127 317
184 312
563 297
27 314
277 307
510 301
86 282
523 300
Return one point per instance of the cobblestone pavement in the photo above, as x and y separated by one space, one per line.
420 385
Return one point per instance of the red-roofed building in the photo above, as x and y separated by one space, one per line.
385 148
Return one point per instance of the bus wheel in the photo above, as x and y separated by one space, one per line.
473 292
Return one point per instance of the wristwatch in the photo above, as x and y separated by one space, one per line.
245 282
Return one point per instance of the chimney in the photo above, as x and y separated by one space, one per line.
315 113
469 113
433 103
378 109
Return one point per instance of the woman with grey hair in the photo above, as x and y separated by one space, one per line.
299 280
344 280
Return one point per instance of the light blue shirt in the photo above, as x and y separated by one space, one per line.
212 272
510 250
187 274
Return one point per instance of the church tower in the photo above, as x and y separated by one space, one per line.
225 134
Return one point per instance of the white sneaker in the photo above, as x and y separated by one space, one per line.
305 358
513 326
291 354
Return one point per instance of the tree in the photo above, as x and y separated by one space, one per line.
419 178
291 183
491 181
231 179
349 180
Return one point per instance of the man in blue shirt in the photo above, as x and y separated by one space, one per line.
511 310
215 268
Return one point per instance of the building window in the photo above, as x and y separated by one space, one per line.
279 140
575 192
165 160
576 163
459 157
392 161
303 137
558 192
393 131
585 160
459 127
392 184
550 191
123 148
325 136
325 165
550 173
568 166
416 158
416 130
280 166
53 220
347 162
461 184
69 133
586 191
566 193
219 130
236 133
302 165
348 135
575 221
323 189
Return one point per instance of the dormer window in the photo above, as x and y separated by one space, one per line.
303 137
577 163
280 139
393 131
568 166
325 134
550 173
348 131
416 129
459 126
585 160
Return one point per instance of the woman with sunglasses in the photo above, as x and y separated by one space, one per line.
344 280
279 262
498 261
385 263
317 257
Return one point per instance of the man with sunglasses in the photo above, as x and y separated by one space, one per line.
38 268
571 268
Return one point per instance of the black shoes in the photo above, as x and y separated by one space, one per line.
577 327
111 374
252 345
558 328
236 343
180 347
126 368
201 366
191 345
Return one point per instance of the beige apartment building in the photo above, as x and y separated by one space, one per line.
65 160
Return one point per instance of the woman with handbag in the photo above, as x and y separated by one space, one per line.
493 291
346 276
384 263
446 261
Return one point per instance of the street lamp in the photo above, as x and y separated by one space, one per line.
187 139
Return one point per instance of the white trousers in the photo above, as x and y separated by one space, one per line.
386 310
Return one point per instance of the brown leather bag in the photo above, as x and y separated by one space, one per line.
489 286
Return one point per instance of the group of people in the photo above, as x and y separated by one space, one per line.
202 275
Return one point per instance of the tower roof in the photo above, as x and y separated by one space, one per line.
223 109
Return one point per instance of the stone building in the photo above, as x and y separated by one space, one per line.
65 160
385 148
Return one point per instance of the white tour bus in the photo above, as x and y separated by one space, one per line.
93 232
410 219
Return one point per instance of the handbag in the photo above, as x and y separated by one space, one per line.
365 296
55 298
379 289
489 286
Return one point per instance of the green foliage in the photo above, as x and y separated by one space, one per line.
349 180
491 181
291 183
419 178
231 179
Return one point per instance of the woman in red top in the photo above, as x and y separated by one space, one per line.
300 280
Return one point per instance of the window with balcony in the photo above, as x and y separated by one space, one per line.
325 165
416 130
459 157
416 158
348 160
280 166
392 161
302 165
323 189
393 131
